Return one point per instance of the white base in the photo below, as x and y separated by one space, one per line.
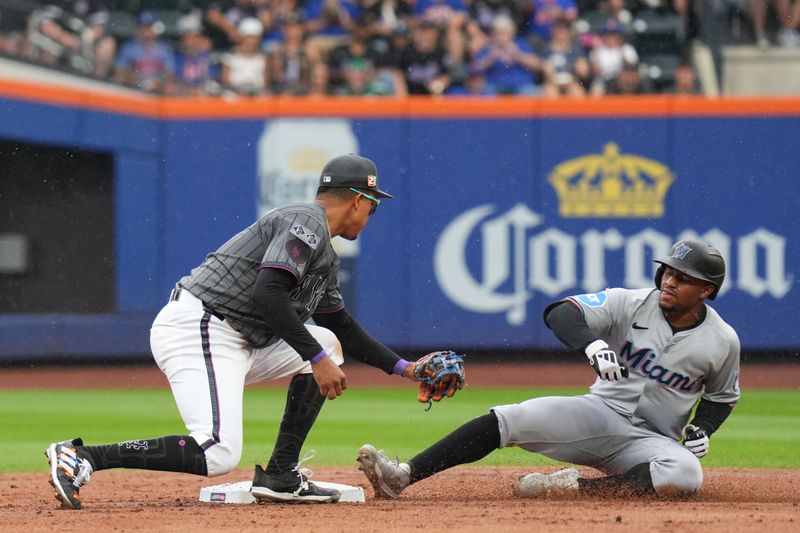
240 492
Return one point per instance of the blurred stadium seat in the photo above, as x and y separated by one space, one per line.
122 25
657 32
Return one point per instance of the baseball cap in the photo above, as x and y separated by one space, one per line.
146 18
189 25
611 26
250 26
354 171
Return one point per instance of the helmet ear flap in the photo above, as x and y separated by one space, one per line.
659 275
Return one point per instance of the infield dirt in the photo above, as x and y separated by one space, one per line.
463 499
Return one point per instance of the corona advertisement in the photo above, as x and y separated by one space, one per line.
495 215
507 264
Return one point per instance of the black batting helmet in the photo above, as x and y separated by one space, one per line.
697 259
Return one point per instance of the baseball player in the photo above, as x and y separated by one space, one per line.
655 352
239 318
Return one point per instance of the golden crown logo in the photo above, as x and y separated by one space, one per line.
611 185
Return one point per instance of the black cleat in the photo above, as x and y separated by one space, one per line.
68 472
291 486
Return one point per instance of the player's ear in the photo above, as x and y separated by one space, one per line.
356 199
708 291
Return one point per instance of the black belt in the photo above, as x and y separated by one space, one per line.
175 295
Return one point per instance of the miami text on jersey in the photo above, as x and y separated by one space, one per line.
642 360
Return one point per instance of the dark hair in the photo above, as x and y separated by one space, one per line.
338 193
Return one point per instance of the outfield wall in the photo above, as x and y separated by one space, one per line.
501 205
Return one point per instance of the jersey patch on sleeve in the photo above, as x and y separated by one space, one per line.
297 250
302 233
596 299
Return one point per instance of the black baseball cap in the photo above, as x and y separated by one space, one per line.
352 171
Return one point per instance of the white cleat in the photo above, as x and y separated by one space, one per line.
388 478
563 482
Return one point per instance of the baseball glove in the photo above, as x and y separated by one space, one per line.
441 374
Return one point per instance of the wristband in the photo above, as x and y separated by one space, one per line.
595 347
400 366
319 357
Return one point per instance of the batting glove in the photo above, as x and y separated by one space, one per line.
696 440
605 362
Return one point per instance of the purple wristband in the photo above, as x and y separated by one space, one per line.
400 366
319 357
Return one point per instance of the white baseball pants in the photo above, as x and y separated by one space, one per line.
208 363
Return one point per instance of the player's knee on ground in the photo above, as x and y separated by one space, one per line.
221 458
676 476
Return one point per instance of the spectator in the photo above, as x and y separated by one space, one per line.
618 11
788 12
291 64
628 82
374 51
473 85
424 62
222 20
545 13
451 16
484 12
566 68
318 83
360 80
146 62
14 25
384 16
685 80
608 11
482 16
245 69
704 23
327 24
609 56
274 20
194 67
507 62
102 46
399 40
356 47
442 12
62 34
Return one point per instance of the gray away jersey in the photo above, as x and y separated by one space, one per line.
668 372
294 238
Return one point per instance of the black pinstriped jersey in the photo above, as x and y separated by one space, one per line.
294 238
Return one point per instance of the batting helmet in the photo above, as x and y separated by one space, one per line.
697 259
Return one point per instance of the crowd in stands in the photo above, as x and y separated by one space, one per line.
549 48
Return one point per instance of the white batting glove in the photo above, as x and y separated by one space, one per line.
605 362
696 440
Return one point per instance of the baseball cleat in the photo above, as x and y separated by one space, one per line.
68 472
388 478
291 486
563 482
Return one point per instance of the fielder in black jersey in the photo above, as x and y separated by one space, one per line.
239 318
